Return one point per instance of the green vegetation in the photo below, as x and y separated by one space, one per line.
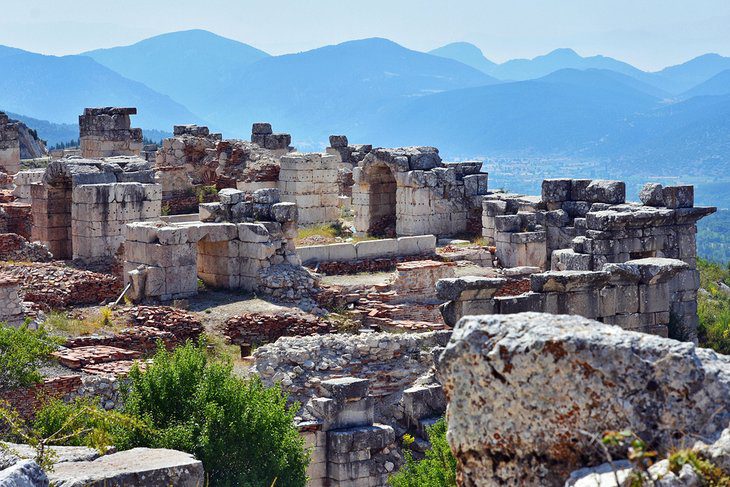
711 475
22 350
713 306
242 431
437 469
202 192
79 423
713 236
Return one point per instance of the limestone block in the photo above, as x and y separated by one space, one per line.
652 194
554 190
520 304
653 298
229 196
416 245
369 249
678 196
605 191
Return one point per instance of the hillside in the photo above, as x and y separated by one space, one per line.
334 89
188 66
58 88
717 85
685 76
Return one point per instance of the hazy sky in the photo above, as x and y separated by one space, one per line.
648 33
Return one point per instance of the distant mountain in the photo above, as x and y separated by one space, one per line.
682 77
570 111
717 85
605 79
334 89
58 89
466 53
186 65
524 69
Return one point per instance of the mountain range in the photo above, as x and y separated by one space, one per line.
379 92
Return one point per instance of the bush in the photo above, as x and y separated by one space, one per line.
242 431
21 352
79 423
713 307
437 469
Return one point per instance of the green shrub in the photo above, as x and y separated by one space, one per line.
437 469
21 352
78 423
242 431
713 307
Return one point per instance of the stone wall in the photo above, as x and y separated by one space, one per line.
9 145
583 224
410 191
310 181
232 247
23 181
81 206
634 295
369 249
106 132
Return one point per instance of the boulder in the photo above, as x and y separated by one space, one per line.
652 194
25 473
144 467
530 393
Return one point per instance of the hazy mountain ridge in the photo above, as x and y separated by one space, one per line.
379 92
188 65
58 89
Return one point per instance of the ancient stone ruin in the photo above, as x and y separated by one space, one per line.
373 332
106 132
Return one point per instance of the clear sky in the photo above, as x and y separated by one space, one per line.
647 33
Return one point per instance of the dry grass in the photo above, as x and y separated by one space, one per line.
60 323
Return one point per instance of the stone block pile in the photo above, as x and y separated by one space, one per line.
263 136
108 131
410 191
54 286
310 181
14 247
9 145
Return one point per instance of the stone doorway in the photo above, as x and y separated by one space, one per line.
382 201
